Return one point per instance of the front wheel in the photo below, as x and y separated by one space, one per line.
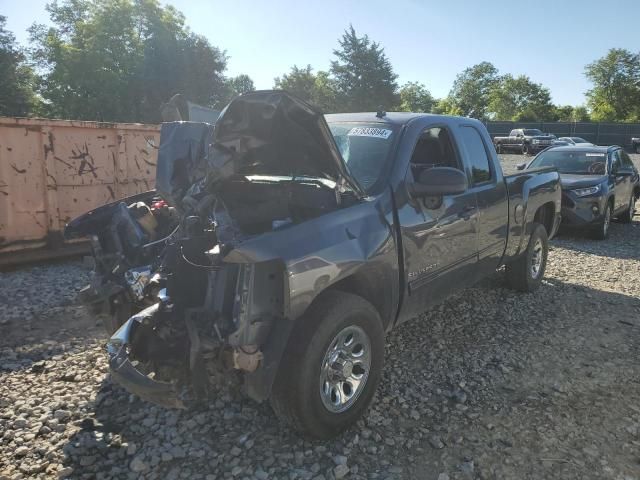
627 216
525 274
525 149
331 367
601 232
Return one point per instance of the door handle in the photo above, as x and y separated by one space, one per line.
467 212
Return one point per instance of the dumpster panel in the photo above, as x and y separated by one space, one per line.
54 170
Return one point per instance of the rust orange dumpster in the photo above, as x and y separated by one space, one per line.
53 170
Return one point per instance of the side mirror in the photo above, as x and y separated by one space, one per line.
438 181
521 166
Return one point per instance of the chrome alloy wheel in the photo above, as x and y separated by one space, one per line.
536 258
345 369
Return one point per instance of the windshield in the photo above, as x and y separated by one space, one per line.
583 163
532 132
365 148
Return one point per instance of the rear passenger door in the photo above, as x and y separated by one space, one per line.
491 196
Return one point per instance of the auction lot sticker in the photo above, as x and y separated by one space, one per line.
369 132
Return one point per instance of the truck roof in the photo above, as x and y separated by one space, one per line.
394 118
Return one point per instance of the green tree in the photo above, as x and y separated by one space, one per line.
520 99
241 84
615 95
233 86
414 97
581 114
119 60
17 80
447 106
568 113
300 82
472 88
363 75
317 89
563 113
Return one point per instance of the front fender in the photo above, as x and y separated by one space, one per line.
318 254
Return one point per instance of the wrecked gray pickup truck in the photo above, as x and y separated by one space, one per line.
296 241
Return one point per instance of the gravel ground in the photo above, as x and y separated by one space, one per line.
491 384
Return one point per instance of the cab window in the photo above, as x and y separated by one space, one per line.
615 161
433 149
476 154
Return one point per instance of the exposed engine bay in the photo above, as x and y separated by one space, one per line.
177 308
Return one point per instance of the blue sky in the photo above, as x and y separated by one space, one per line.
427 41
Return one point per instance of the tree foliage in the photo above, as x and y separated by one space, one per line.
414 97
241 84
520 99
317 89
472 88
363 75
569 113
118 60
615 95
17 80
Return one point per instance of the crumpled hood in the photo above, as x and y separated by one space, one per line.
569 181
271 132
258 133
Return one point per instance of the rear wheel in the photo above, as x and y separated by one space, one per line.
637 148
627 216
498 148
332 365
525 273
601 231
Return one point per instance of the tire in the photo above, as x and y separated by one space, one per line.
498 148
310 396
601 231
627 215
637 148
526 272
525 149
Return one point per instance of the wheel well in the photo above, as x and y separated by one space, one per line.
545 216
373 288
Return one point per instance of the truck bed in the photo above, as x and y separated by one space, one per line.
529 194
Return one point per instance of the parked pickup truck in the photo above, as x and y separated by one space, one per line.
302 239
526 141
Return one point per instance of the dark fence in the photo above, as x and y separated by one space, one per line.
598 133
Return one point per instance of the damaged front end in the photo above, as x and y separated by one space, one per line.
269 165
